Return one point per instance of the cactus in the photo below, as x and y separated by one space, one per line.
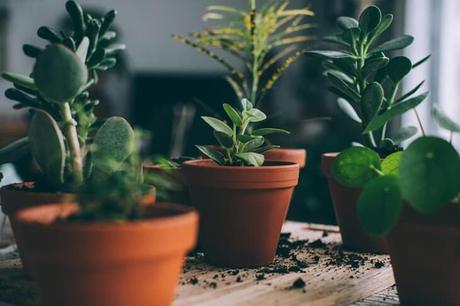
59 74
48 148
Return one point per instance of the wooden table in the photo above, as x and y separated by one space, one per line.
310 269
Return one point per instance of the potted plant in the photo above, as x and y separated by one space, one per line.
367 81
242 199
107 247
63 130
413 198
265 40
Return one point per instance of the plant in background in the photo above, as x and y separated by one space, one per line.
57 93
425 175
265 40
241 147
367 79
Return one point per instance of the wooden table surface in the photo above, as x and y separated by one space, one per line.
310 269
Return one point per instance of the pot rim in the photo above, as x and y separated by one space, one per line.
210 164
182 215
30 190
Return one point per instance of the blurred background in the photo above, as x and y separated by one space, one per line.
162 85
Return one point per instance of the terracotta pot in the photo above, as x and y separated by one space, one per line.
242 209
180 195
345 207
425 254
108 264
298 156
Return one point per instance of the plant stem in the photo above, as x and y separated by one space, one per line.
451 137
419 122
70 132
390 103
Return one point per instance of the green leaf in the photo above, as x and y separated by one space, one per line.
351 36
346 23
223 139
245 138
218 125
335 40
14 151
443 120
398 68
374 64
251 158
325 54
410 93
346 107
395 44
355 166
246 104
421 61
404 134
396 110
371 100
233 114
265 148
370 18
253 144
429 174
20 79
379 205
343 87
386 22
269 131
212 154
390 165
256 115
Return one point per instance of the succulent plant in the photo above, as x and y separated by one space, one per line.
367 80
265 40
241 147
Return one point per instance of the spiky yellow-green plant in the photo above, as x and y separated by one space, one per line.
265 39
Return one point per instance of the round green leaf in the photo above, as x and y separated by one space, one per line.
372 100
233 114
355 166
429 172
370 18
59 74
346 23
390 165
398 68
255 115
379 205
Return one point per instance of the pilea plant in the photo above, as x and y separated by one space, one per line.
57 93
265 40
367 79
240 147
425 176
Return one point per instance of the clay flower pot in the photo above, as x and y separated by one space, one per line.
107 264
345 206
242 209
425 252
298 156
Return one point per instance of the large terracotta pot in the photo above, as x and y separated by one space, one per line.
345 207
107 264
242 209
425 254
298 156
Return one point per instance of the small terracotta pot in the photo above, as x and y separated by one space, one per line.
107 264
242 209
345 206
181 194
298 156
425 254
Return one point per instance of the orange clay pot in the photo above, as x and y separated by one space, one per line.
425 255
298 156
345 206
107 264
242 209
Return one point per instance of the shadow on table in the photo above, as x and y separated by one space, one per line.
17 288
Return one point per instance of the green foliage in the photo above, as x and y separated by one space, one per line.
367 79
14 151
264 39
240 147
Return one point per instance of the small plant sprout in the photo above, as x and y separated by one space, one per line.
241 147
265 40
367 80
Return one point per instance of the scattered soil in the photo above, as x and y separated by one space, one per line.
298 284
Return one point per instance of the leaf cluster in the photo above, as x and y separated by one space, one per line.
367 79
240 146
264 40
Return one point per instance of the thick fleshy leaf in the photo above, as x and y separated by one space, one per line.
328 54
20 79
429 174
218 125
346 107
390 165
346 23
265 148
398 68
374 64
371 100
233 114
343 87
395 44
386 22
423 60
370 18
223 139
404 133
246 104
251 158
379 205
355 166
396 110
253 144
256 115
336 40
410 92
212 154
14 151
269 131
443 120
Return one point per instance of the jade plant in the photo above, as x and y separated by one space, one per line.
57 95
425 176
367 79
240 147
264 40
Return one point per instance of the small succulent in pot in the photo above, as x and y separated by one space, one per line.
367 79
